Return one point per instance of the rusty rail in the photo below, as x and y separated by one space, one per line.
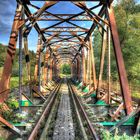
83 113
45 113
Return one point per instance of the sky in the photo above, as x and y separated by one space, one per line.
7 14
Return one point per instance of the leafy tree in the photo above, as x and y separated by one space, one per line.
65 69
127 14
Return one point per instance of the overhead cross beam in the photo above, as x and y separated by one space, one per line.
101 13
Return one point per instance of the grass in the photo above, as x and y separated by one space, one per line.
1 138
14 82
136 94
65 75
106 135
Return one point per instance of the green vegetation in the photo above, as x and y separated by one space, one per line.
15 69
106 135
127 14
8 109
12 103
14 82
2 138
65 69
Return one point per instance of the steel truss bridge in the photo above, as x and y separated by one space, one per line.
66 40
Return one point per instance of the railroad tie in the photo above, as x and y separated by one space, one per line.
64 129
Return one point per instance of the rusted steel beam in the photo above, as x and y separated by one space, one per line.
12 127
101 13
86 62
20 58
93 69
46 5
48 14
51 69
65 31
115 115
81 40
83 66
37 126
76 50
46 67
102 57
88 65
109 68
58 17
126 118
90 13
66 35
65 20
55 19
83 113
120 62
36 26
27 58
7 70
39 49
78 69
65 39
67 27
39 46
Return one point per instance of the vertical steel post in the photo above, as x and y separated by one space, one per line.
46 67
102 58
51 65
7 70
83 66
78 68
37 57
90 68
39 72
109 67
93 64
120 62
27 59
75 75
76 72
88 65
42 66
20 63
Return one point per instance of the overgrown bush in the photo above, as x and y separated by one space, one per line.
106 135
13 103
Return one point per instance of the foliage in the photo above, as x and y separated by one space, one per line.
106 135
14 82
2 54
15 68
8 108
127 14
128 22
8 115
65 69
1 138
12 103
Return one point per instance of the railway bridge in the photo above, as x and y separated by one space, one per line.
55 106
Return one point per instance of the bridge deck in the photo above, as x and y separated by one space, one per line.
64 128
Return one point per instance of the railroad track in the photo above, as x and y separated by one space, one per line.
63 118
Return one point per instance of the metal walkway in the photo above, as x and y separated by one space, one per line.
64 129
